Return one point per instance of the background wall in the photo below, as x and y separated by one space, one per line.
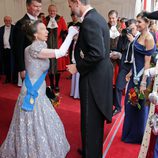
16 8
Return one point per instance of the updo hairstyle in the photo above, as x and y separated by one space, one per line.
30 28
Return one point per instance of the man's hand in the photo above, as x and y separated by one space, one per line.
72 68
22 74
115 55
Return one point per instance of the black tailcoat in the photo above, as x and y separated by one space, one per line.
96 66
10 37
21 41
5 64
96 72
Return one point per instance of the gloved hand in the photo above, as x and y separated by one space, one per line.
65 46
73 30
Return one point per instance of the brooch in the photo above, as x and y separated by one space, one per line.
32 100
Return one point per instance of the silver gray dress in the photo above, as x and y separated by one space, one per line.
40 133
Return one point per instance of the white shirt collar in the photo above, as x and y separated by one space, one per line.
82 17
32 17
52 17
6 27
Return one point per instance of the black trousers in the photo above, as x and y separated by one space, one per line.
7 64
10 69
92 124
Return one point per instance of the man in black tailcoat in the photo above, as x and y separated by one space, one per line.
96 71
21 41
6 50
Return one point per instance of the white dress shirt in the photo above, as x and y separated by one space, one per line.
6 36
32 18
83 15
114 32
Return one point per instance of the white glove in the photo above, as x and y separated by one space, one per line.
72 31
151 72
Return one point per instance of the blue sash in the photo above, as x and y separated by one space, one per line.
32 92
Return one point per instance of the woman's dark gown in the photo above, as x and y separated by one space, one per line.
135 119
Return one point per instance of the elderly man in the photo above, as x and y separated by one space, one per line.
57 29
21 41
6 49
95 68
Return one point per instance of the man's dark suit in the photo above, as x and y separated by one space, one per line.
7 57
10 37
96 71
20 42
124 69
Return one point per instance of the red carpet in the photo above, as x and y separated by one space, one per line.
114 147
69 112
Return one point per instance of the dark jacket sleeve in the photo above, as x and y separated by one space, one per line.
19 40
11 36
1 38
93 46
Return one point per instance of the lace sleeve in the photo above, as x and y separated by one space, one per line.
36 48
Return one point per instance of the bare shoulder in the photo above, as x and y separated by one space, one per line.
149 41
149 37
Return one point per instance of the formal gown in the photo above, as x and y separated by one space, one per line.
38 133
135 119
